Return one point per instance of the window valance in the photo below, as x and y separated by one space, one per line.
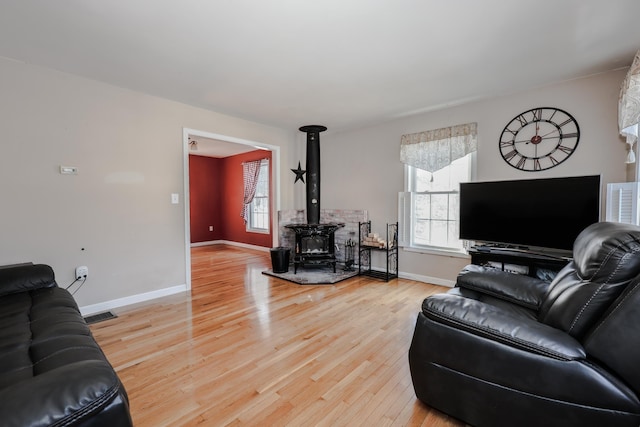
629 106
433 150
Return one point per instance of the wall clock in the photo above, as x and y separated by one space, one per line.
539 139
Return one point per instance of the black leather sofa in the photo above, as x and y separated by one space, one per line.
502 349
52 371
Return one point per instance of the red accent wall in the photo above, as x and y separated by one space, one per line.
205 178
221 179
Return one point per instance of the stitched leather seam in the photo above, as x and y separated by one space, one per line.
20 368
77 347
536 395
508 339
87 410
623 260
584 307
609 255
30 366
620 303
604 261
58 322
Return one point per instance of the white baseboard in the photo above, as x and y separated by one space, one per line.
428 279
134 299
230 243
420 278
210 242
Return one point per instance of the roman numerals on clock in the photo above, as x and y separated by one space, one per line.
539 139
518 161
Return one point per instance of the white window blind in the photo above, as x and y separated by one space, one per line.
622 202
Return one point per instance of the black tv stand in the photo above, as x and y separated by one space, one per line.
519 260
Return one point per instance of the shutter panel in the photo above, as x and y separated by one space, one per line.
405 212
622 202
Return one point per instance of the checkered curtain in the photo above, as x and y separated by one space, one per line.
250 173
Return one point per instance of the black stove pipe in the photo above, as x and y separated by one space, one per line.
313 172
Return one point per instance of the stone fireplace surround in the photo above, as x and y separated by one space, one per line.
350 218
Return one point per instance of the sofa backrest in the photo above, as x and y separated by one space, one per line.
25 277
606 257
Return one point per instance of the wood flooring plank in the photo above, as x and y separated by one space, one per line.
245 349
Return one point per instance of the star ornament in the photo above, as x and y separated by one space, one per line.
299 173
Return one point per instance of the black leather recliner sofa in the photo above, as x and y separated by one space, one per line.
52 371
502 349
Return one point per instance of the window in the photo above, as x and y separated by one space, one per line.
430 206
259 207
436 161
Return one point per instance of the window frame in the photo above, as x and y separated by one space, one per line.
250 227
407 213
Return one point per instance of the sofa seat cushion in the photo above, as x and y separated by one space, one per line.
501 325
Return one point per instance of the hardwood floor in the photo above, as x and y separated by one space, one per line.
248 349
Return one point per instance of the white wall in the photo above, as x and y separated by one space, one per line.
361 169
128 149
115 216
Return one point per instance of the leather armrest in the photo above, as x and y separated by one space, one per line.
28 277
516 288
483 319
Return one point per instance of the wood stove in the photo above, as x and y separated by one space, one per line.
315 242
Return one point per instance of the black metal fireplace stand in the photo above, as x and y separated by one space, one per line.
315 245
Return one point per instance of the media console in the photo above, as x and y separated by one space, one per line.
520 261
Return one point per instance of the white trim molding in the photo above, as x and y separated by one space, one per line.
275 175
427 279
420 278
133 299
230 243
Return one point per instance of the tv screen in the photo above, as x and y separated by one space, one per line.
537 213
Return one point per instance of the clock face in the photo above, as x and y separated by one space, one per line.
539 139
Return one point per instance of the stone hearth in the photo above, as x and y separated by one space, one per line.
323 275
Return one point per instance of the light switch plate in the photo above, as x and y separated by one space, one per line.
175 198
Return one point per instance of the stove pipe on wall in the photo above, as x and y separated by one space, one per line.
313 172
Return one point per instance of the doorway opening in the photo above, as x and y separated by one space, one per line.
207 142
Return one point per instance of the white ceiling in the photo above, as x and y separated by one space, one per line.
340 63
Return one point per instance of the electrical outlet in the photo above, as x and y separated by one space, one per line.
82 272
211 228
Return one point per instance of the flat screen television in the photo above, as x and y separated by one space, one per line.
534 214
